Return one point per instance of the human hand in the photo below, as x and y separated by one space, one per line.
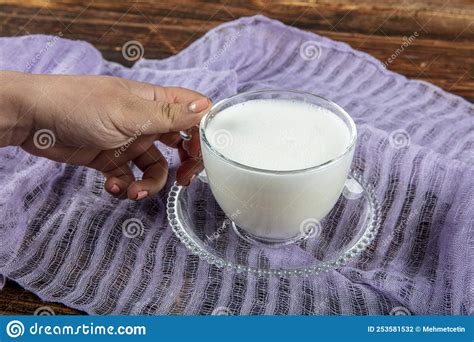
104 123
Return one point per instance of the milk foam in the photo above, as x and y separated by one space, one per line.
278 134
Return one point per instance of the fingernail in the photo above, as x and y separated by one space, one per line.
115 189
142 194
199 105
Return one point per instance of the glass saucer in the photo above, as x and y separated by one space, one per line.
346 231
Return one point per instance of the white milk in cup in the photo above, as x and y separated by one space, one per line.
277 160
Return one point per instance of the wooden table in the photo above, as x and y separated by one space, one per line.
442 53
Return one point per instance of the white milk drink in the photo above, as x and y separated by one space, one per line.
265 189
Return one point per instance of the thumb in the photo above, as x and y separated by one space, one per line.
164 117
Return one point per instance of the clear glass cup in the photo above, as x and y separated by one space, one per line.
270 206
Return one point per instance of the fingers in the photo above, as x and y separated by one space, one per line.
143 153
118 181
170 109
188 170
165 111
171 139
158 117
155 174
153 92
121 182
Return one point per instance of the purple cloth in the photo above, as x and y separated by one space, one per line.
61 235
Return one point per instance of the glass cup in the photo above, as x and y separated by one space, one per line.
270 206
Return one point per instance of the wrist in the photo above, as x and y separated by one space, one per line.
15 120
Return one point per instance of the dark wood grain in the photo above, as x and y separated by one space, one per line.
443 52
14 300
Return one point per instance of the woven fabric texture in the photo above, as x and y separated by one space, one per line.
61 235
